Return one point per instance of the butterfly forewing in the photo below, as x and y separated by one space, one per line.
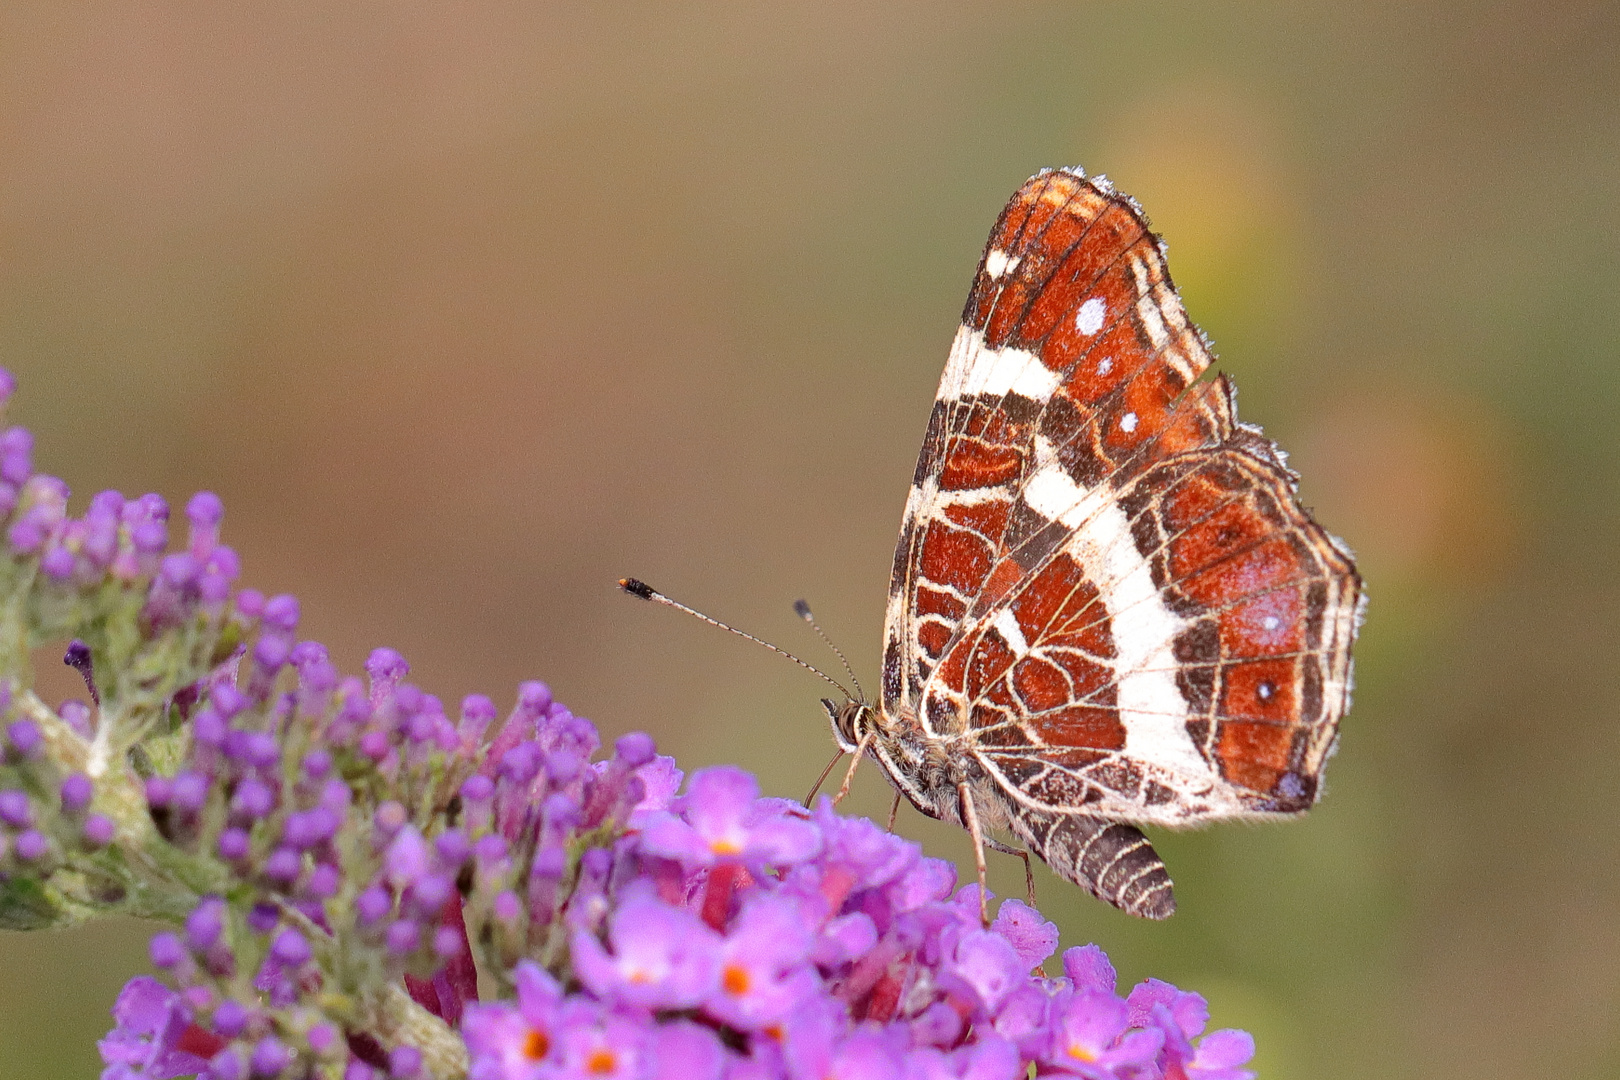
1107 602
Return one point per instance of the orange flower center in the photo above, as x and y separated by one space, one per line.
536 1045
735 980
601 1062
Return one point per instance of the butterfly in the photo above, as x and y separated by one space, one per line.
1108 607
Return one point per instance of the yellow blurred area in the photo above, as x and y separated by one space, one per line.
1207 162
469 310
1424 479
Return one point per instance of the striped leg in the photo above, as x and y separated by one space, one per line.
1029 872
822 779
849 777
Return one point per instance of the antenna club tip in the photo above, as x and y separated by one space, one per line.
801 608
637 588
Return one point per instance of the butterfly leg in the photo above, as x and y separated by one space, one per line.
894 810
1029 873
849 777
970 818
822 779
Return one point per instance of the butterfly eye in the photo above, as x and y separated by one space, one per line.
852 721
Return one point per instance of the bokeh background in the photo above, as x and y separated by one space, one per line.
469 309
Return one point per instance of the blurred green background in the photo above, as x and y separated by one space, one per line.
469 309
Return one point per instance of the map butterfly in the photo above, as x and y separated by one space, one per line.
1107 608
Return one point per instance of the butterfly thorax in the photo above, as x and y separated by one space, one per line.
923 767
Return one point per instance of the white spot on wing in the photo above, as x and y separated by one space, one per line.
1150 704
1089 319
1006 624
998 263
1271 622
1127 423
1105 365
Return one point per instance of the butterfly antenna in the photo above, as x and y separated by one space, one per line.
647 592
802 609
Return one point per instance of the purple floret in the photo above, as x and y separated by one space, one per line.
234 844
25 738
151 1021
77 791
477 712
663 956
635 749
166 950
764 974
16 456
99 830
372 904
291 948
205 923
1031 936
725 821
15 810
403 936
249 603
31 844
204 511
270 1056
254 798
281 613
404 1063
190 790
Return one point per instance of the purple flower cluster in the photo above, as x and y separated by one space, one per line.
339 856
157 622
726 935
46 823
124 539
351 813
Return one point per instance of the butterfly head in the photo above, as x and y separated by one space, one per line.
852 721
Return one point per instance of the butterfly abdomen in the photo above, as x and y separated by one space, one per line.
1109 859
